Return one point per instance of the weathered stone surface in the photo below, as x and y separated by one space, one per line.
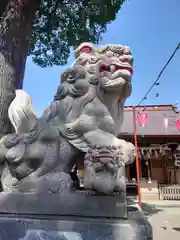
71 216
87 109
30 227
82 204
38 201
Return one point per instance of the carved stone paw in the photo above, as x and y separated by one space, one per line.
120 184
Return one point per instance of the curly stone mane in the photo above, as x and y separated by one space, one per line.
75 91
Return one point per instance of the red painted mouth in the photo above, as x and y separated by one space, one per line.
115 67
124 60
104 68
104 152
106 156
86 49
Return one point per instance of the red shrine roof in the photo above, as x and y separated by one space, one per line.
155 123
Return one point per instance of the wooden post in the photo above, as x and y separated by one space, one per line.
149 173
175 176
137 158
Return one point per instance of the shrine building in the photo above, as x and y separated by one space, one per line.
158 150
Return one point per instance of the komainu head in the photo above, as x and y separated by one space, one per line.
113 64
103 167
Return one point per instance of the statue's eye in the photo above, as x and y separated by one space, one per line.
79 59
72 76
93 59
116 55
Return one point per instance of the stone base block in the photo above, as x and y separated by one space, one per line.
70 217
30 227
82 203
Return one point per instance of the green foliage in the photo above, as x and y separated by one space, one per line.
62 24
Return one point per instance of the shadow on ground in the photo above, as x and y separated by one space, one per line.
148 209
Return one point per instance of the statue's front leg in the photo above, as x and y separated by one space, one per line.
120 182
68 157
126 156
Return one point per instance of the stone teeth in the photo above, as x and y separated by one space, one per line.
112 68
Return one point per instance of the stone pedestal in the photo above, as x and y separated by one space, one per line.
70 217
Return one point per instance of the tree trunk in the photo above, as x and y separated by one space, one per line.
3 5
15 31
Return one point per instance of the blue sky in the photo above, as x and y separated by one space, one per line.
151 30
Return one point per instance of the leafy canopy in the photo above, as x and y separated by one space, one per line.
62 24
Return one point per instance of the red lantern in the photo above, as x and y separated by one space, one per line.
178 124
142 118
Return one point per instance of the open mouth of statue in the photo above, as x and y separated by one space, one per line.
106 156
114 68
104 68
86 49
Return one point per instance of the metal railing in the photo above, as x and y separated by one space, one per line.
169 191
